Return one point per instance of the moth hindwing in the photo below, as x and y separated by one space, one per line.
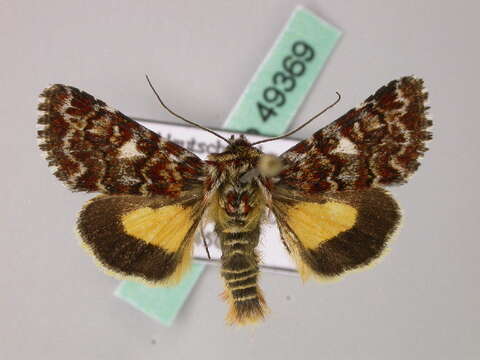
327 192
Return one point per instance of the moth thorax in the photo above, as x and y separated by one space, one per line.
269 165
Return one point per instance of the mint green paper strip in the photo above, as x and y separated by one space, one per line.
160 303
260 107
164 303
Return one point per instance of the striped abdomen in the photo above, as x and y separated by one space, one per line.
240 272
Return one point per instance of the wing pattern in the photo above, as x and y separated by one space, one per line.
142 237
330 234
378 143
95 148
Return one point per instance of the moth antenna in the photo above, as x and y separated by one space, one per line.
181 117
204 241
303 125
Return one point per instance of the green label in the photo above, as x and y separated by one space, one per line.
161 303
280 85
267 107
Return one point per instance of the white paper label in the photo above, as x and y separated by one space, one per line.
200 142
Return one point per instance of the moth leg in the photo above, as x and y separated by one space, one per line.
202 234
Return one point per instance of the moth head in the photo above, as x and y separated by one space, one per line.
269 165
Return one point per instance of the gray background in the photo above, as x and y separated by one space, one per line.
421 302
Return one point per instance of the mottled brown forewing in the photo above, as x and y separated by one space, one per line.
92 147
378 143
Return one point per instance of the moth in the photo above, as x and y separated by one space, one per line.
327 192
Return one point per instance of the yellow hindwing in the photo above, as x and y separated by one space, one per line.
315 223
165 227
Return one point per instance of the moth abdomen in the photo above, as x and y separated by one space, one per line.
240 272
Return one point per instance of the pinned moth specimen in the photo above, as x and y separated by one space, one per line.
327 192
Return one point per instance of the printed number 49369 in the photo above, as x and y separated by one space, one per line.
293 66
